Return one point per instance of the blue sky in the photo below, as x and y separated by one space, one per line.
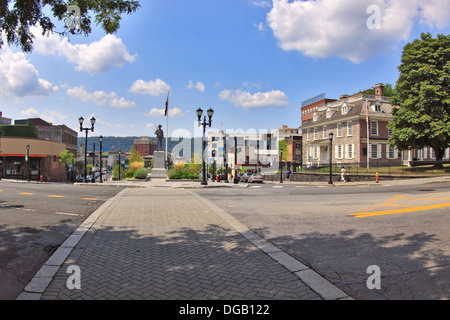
252 61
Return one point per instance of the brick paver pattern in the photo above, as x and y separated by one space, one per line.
164 244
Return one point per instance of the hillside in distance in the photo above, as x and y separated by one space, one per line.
125 144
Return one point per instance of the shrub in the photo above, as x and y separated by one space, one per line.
129 174
141 173
134 166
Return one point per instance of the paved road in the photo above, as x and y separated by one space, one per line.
35 219
341 231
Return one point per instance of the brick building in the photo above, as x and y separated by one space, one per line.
50 132
346 119
144 146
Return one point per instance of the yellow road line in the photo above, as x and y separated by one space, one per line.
90 199
52 196
388 202
27 194
381 213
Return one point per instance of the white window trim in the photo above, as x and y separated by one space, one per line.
350 128
372 127
339 130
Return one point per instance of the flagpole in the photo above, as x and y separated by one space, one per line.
368 134
167 125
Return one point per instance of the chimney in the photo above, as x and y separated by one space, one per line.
343 96
379 90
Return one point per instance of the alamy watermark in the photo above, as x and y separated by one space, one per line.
374 20
74 280
74 17
374 280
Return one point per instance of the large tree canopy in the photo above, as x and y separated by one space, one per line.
423 94
16 18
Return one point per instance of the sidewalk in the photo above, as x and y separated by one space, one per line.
169 244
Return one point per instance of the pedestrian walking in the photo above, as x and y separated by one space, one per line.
288 176
343 175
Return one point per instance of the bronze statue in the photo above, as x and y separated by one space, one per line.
160 135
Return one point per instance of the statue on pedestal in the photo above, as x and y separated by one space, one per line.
159 135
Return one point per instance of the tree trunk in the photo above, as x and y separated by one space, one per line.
439 154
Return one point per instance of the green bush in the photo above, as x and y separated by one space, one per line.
141 173
130 174
181 174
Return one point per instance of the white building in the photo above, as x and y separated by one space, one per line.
248 150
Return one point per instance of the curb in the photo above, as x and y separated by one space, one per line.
316 282
37 286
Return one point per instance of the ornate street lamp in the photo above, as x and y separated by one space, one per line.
81 121
28 163
101 151
210 113
330 181
281 166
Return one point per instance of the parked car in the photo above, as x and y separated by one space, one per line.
79 178
245 177
258 178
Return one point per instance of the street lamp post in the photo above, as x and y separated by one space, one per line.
28 163
101 151
281 166
210 113
330 181
120 156
81 120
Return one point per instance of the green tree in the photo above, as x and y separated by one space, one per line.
283 145
17 17
135 156
66 158
423 94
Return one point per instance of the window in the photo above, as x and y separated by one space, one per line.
389 132
349 128
316 152
344 109
308 135
391 153
325 133
350 151
339 129
328 113
374 128
375 151
316 133
338 151
378 107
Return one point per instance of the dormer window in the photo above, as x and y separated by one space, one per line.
378 107
315 116
328 113
344 109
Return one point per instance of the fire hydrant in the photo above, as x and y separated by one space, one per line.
377 177
40 178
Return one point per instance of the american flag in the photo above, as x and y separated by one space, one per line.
367 112
167 106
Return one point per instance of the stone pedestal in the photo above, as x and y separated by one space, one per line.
158 171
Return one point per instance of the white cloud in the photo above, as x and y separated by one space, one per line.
259 26
326 28
199 86
154 88
19 78
96 57
260 3
181 133
100 98
53 116
173 112
274 98
30 113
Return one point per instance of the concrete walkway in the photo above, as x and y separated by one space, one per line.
166 243
157 240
